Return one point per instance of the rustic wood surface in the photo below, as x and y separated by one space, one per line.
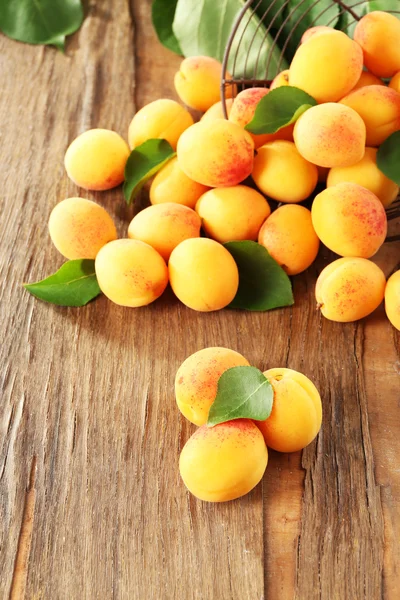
92 506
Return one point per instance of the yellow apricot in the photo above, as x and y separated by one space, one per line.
350 220
309 33
392 299
327 66
367 78
242 112
289 237
96 159
223 462
379 108
367 174
282 173
215 111
164 226
130 272
197 378
349 289
296 415
330 135
232 213
395 82
198 82
171 184
79 228
282 79
203 274
378 34
162 119
216 153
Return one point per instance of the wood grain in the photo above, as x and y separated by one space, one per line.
87 394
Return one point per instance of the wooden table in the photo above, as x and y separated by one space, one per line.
92 505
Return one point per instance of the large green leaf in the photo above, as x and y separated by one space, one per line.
40 21
163 13
388 157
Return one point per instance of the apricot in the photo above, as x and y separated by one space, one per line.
379 108
203 274
223 462
282 79
350 220
198 82
196 381
349 289
367 174
162 119
215 111
242 112
171 184
289 237
216 153
282 173
130 272
330 135
366 79
309 33
392 299
395 82
378 34
327 66
232 213
296 415
164 226
79 228
96 159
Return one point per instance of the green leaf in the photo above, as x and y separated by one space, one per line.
163 12
280 107
388 157
263 284
74 284
202 27
144 162
243 393
40 21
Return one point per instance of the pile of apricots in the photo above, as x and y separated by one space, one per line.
207 185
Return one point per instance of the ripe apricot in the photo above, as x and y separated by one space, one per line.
216 153
395 82
378 34
242 112
392 299
282 79
330 135
96 159
282 173
203 274
350 220
367 174
327 66
349 289
79 228
215 111
223 462
379 108
130 272
232 213
162 119
198 81
164 226
296 415
289 237
171 184
309 33
196 381
367 78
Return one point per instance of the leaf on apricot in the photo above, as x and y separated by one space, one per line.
74 284
242 393
388 157
144 162
279 108
263 284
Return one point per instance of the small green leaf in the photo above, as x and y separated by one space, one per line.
74 284
144 162
243 393
163 13
263 284
40 21
388 157
280 107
